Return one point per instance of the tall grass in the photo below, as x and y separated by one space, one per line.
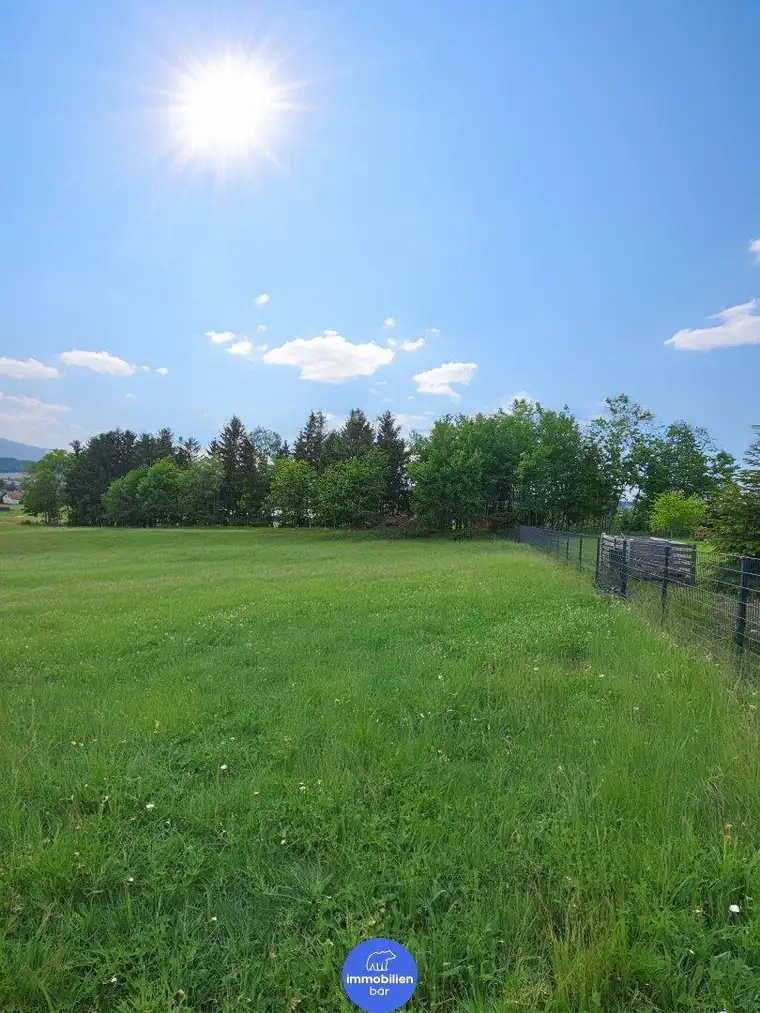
229 756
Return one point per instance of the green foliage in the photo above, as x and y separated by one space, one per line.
291 491
457 745
676 515
352 492
44 486
158 493
121 503
446 470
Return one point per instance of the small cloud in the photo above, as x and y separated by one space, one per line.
389 322
433 331
262 348
521 395
329 358
409 423
220 337
738 325
332 421
240 348
381 383
262 300
129 395
412 346
98 362
440 379
31 404
391 342
373 391
145 369
261 328
162 371
27 369
754 249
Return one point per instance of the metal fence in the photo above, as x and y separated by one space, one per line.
710 598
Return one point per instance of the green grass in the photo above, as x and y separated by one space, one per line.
228 756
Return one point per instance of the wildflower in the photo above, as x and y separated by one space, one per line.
257 793
213 918
224 767
113 980
181 993
699 911
283 841
76 854
130 879
271 956
727 831
150 805
734 909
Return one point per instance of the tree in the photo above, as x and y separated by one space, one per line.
447 476
351 492
122 504
389 440
198 488
675 514
357 434
310 443
623 436
291 491
187 452
232 450
44 487
750 473
158 493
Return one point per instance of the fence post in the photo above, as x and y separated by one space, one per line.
741 615
567 550
624 570
580 554
598 553
665 578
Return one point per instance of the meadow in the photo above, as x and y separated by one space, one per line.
228 756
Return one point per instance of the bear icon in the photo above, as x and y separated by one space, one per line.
379 960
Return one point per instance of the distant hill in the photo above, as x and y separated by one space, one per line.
13 466
21 451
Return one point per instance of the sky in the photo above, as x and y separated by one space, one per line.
428 207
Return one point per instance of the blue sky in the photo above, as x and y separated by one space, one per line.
547 193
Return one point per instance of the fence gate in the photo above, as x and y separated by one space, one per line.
612 571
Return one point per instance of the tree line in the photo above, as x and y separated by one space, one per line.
492 471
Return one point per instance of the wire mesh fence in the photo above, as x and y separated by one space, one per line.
709 598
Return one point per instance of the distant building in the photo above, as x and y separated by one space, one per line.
11 499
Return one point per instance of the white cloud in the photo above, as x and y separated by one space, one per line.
240 348
738 325
41 408
408 423
440 379
28 420
330 358
129 395
162 371
412 346
333 421
27 369
145 369
389 322
754 249
98 362
219 337
262 300
261 328
391 342
434 331
381 383
520 395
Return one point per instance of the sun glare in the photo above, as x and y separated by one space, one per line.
226 108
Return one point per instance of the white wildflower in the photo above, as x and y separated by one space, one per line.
734 909
150 805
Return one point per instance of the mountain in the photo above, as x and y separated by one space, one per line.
12 466
23 451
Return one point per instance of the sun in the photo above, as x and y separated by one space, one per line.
227 108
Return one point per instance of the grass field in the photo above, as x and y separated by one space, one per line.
228 756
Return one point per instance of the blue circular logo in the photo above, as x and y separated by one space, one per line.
379 975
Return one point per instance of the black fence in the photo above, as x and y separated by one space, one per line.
710 598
